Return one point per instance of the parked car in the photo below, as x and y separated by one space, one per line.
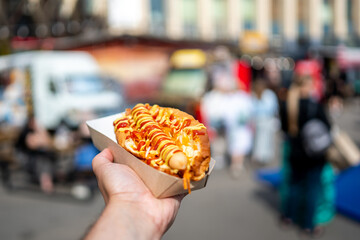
186 81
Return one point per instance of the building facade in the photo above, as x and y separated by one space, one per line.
317 21
279 21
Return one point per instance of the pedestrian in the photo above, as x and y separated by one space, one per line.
229 108
266 121
35 143
131 211
307 192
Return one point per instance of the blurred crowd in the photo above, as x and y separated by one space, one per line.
266 117
242 110
256 109
268 79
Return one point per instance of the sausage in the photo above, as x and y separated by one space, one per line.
169 151
178 161
158 136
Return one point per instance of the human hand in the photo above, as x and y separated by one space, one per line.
122 189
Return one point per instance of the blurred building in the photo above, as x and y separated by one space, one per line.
279 21
276 23
30 20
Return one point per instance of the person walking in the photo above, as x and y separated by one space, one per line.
265 120
307 192
228 107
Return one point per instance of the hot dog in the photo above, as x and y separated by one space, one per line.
167 139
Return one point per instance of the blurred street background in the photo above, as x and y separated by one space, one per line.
232 64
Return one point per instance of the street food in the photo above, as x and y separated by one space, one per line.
167 139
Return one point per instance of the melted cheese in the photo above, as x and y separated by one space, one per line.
125 129
175 135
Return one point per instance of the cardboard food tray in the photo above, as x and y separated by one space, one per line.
160 184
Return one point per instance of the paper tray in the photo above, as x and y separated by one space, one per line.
160 184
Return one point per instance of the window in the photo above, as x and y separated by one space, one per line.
303 18
219 16
327 18
276 17
350 15
157 26
189 11
84 84
186 82
248 13
52 87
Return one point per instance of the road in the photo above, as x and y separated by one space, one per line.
225 209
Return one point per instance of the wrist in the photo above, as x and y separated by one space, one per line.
130 218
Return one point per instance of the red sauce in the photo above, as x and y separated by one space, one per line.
136 135
151 127
122 125
158 142
119 120
141 143
186 123
197 132
143 123
165 145
155 114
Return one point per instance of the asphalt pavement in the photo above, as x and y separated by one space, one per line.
226 209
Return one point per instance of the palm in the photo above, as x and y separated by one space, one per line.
120 182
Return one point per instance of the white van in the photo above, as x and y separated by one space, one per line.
60 86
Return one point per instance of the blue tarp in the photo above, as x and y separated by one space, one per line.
84 156
347 186
348 192
270 176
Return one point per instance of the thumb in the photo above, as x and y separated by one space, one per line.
104 157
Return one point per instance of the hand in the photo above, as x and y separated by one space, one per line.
123 190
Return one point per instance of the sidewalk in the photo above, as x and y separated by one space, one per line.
242 209
225 209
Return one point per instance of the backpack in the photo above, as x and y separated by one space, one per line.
315 136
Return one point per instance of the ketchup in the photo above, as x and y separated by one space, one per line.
122 125
197 132
141 143
186 123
